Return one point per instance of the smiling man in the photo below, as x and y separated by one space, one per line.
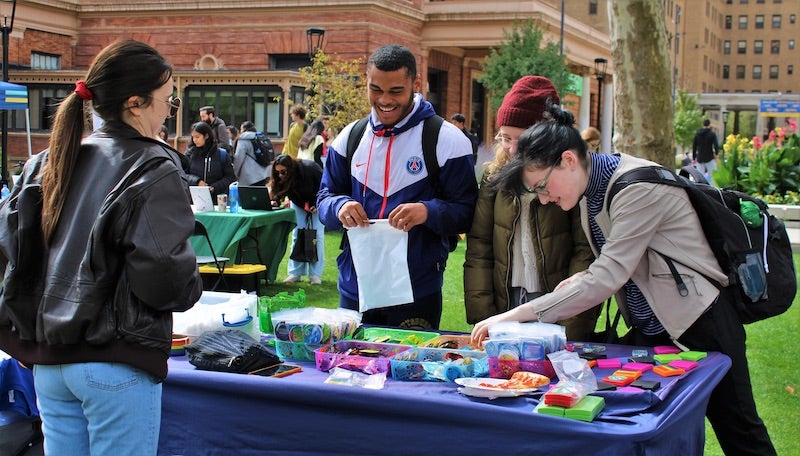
387 178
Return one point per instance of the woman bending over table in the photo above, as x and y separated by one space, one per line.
644 219
298 180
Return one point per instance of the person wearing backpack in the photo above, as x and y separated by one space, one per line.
630 238
209 165
387 178
246 166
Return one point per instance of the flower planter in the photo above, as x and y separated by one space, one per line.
791 217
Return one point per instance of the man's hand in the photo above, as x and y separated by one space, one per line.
408 215
352 214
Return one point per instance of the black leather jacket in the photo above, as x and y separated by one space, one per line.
118 264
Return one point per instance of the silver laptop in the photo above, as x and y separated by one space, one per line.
201 198
254 198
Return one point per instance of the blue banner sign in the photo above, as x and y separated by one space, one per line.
779 108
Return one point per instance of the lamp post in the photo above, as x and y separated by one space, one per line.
316 38
6 30
600 65
724 126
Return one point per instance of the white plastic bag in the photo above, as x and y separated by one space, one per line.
380 257
216 311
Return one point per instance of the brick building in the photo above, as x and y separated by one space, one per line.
242 57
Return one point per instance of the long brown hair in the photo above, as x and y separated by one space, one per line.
124 69
279 187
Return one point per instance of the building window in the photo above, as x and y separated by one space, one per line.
759 22
776 21
759 1
775 46
791 44
43 100
756 71
42 61
789 69
728 22
773 71
792 18
235 104
726 72
743 22
593 7
726 47
741 47
758 47
740 71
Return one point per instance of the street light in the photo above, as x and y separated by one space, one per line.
724 121
600 65
6 30
724 125
316 39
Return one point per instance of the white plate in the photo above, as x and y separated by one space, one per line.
489 393
493 385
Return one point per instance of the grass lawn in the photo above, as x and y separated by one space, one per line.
772 352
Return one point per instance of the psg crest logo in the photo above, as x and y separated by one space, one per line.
414 165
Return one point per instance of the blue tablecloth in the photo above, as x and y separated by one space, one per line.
210 413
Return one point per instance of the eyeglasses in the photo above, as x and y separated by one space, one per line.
593 144
281 172
541 189
506 140
174 105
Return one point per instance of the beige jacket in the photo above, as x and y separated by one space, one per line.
643 219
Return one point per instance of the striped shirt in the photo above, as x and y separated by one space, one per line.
603 167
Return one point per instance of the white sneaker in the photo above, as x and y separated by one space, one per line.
314 280
291 279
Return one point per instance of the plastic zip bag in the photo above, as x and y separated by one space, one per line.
380 257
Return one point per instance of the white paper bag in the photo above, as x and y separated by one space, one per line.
380 257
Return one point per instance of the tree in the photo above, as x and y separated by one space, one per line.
336 89
688 118
520 55
643 124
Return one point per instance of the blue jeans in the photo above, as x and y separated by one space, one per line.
98 409
311 269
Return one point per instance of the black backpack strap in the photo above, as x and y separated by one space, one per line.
651 174
355 136
430 139
654 175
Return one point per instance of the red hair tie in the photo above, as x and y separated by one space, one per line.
83 91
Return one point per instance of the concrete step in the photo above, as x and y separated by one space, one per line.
791 217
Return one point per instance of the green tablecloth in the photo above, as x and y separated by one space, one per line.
227 231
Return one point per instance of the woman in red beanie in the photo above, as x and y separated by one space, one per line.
519 248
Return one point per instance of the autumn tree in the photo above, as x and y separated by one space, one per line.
643 122
523 53
336 88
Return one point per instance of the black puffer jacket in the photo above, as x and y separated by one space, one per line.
118 264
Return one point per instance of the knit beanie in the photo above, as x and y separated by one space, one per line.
525 103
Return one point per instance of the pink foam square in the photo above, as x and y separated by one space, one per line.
610 363
666 349
641 367
683 364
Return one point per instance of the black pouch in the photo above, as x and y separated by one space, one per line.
230 350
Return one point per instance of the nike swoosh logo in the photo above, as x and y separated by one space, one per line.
359 165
